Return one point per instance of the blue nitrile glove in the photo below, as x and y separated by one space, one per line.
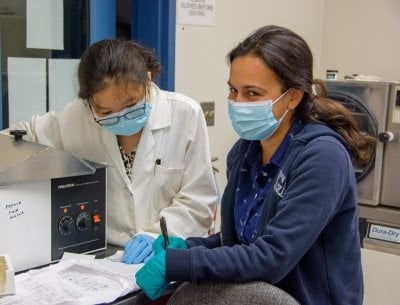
174 243
139 249
152 276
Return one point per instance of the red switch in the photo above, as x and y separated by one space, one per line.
96 218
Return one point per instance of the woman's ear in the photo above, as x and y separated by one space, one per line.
295 97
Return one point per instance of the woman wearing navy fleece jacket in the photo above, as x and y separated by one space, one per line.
289 210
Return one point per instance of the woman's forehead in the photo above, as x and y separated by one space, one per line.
118 93
250 70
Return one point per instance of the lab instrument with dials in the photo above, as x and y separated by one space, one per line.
51 202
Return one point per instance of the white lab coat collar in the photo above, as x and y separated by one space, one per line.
160 114
160 117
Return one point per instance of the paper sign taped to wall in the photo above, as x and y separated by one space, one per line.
196 12
28 74
45 24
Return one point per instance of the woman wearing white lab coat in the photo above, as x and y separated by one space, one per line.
171 175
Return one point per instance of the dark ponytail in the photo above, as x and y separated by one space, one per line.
327 111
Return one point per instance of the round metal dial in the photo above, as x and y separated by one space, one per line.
66 225
83 221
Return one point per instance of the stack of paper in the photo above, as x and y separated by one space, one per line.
74 281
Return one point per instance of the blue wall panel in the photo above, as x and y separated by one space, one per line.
102 20
1 91
153 25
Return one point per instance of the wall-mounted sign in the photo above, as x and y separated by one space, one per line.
196 12
45 24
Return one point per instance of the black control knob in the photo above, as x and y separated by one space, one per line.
18 134
83 221
385 137
66 225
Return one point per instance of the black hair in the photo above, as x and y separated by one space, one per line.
115 60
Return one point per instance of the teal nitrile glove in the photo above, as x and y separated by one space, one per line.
152 276
139 249
174 243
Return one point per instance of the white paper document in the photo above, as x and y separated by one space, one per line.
45 24
63 82
75 281
26 88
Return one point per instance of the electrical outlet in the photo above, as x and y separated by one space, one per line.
209 112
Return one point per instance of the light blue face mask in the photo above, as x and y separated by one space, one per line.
128 121
254 120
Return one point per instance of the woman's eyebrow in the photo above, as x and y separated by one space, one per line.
248 87
102 108
130 101
98 107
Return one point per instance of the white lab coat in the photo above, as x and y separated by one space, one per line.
181 188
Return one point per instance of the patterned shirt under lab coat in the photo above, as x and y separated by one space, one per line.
180 186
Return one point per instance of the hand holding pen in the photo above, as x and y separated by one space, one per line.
152 276
164 241
164 231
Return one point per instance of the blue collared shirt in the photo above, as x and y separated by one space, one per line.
254 182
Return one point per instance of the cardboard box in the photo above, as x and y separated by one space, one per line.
7 280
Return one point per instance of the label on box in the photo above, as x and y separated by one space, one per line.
384 233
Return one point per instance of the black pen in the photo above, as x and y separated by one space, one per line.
164 231
158 162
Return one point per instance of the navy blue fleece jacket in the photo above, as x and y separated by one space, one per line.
308 242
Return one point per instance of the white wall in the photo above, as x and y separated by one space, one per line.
201 68
362 36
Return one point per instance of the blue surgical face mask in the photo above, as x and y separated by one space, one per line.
128 121
254 120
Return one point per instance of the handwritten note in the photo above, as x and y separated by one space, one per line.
14 209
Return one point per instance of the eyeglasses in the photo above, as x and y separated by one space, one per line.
129 113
